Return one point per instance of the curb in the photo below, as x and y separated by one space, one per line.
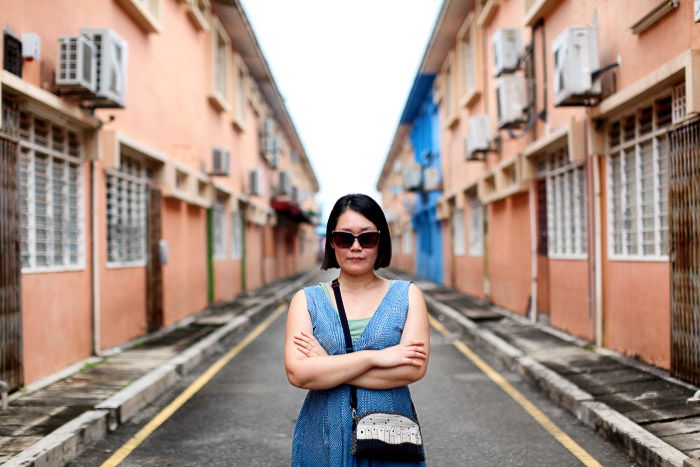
637 442
69 440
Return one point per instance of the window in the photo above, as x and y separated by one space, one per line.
126 213
468 63
458 232
637 166
476 227
221 54
51 189
219 230
145 13
567 230
240 97
237 235
407 242
198 12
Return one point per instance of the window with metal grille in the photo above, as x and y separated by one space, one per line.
476 227
126 213
51 186
468 62
637 167
458 232
237 235
219 229
567 219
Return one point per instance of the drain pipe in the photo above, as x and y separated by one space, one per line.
95 262
5 391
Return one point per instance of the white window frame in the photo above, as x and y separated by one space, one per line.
407 242
458 236
132 179
567 207
219 229
69 152
221 67
237 233
618 191
477 212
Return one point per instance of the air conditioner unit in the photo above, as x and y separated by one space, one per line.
285 186
255 182
431 179
112 54
506 51
511 101
479 137
575 59
220 158
77 67
412 177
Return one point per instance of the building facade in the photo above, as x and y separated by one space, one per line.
149 168
566 143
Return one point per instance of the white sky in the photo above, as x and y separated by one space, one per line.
344 70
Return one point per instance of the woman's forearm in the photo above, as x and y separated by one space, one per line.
388 378
329 371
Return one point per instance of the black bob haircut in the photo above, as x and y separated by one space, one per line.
369 208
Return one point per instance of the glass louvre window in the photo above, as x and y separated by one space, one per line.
637 166
567 228
220 71
468 51
219 231
476 227
240 96
458 232
126 212
51 189
236 235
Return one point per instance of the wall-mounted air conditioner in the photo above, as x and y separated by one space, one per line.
220 159
255 182
412 177
575 59
285 183
479 137
431 179
77 67
111 60
506 51
511 100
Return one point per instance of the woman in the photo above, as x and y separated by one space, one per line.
388 321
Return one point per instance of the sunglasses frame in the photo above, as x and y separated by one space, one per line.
356 237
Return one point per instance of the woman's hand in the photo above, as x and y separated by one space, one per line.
308 345
411 353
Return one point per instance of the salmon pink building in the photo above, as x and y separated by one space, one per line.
569 168
148 169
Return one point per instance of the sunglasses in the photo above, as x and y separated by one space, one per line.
342 239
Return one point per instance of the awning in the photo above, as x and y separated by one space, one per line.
290 210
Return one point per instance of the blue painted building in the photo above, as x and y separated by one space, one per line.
421 115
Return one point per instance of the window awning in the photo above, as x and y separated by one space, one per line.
290 209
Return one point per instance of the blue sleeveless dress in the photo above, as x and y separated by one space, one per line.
323 432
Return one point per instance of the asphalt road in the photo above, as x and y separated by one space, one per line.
245 415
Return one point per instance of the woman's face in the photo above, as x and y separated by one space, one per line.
356 259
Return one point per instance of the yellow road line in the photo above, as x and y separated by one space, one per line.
185 395
529 407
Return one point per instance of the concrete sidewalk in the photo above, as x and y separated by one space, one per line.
654 418
51 424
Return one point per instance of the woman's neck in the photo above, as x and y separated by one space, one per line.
360 282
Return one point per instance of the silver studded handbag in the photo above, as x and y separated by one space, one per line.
389 436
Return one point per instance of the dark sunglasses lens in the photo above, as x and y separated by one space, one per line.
369 239
343 239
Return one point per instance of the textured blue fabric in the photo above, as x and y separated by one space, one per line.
323 432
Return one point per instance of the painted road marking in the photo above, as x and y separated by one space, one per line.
529 407
185 395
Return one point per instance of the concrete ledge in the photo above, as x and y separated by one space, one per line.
638 443
126 403
554 385
64 443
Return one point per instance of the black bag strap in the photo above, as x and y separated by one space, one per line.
348 339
